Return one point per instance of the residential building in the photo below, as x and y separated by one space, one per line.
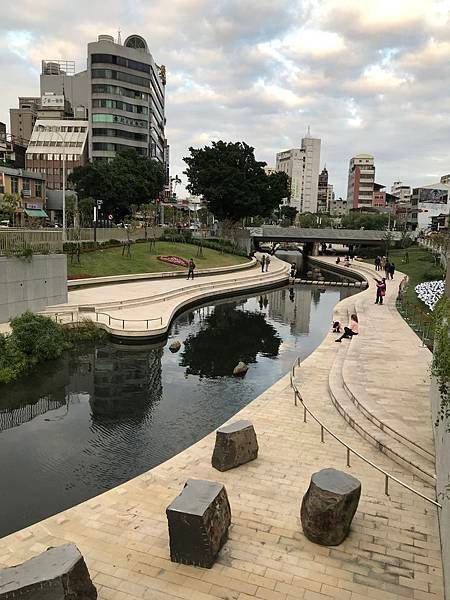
22 119
361 180
324 192
427 202
338 207
12 150
51 141
402 191
379 196
29 189
292 162
402 204
445 179
58 77
302 167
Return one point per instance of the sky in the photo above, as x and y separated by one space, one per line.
367 77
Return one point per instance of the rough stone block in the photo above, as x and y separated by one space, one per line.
329 505
198 523
236 444
58 574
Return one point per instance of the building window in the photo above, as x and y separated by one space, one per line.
103 103
119 76
14 185
100 88
38 189
120 60
26 185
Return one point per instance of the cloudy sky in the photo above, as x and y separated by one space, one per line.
370 77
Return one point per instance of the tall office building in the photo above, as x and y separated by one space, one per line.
123 93
324 192
302 167
311 149
361 180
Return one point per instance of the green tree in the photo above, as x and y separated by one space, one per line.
38 337
86 209
128 179
10 204
313 221
232 182
288 214
365 220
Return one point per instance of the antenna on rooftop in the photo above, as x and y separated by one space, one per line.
308 133
119 37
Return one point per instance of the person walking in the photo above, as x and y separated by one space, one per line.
377 262
267 263
351 330
381 290
382 263
387 269
392 270
293 272
191 267
263 263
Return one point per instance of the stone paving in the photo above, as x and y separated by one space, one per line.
392 552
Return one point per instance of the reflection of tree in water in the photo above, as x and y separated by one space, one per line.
127 383
229 335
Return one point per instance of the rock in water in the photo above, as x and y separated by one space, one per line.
329 505
240 369
58 574
175 346
236 444
198 523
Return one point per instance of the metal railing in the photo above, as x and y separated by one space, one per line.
323 428
420 321
15 241
123 321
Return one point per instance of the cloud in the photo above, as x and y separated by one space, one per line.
367 77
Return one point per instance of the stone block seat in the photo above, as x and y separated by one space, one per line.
58 574
329 506
198 523
236 444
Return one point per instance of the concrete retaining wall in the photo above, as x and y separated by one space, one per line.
31 284
442 445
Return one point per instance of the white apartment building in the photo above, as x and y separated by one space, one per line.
402 191
302 167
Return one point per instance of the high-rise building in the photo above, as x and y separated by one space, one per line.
361 180
311 148
22 119
302 167
324 192
123 93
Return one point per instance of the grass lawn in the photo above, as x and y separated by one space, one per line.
111 262
421 267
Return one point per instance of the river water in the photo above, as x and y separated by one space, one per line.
99 416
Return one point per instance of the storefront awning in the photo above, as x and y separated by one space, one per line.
35 212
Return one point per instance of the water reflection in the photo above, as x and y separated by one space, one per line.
228 335
95 418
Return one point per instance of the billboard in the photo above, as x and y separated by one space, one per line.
433 196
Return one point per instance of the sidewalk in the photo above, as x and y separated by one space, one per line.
392 552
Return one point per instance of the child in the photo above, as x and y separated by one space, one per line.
336 327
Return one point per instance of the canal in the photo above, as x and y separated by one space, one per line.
103 414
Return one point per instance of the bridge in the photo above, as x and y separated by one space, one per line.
312 237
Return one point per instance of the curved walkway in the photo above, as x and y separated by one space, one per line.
144 309
392 552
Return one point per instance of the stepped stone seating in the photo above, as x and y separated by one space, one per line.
236 444
329 506
198 523
58 574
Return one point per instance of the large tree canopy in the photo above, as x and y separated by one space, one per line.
128 179
365 220
232 182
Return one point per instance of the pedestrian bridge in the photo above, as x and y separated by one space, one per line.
272 233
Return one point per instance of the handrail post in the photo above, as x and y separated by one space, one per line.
109 317
304 414
348 456
386 484
321 434
123 324
295 397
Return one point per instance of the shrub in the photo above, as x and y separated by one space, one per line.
84 331
12 361
38 337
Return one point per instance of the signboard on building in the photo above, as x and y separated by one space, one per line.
433 196
52 101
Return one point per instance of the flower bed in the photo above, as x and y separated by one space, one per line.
430 292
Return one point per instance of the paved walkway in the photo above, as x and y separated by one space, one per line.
392 552
142 308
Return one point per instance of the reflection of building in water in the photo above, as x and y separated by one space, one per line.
293 308
127 381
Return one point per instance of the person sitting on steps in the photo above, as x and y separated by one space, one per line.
350 331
